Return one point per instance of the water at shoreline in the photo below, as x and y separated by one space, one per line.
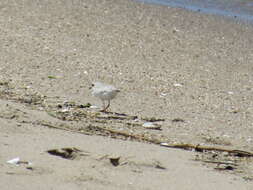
238 9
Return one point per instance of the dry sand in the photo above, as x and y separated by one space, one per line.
168 63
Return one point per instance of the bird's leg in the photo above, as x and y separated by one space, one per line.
108 105
103 105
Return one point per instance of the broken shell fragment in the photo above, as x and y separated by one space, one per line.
94 107
164 144
177 85
150 125
14 161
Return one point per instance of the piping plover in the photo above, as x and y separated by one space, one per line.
104 92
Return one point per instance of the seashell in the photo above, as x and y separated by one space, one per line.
177 85
150 125
14 161
164 144
93 107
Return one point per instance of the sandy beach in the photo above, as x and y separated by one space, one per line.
188 73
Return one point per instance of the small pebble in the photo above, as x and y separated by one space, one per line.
177 85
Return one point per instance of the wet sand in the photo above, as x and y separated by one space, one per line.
169 63
238 10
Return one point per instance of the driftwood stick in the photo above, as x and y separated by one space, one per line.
200 148
218 162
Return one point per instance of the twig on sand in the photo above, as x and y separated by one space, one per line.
218 162
104 131
199 148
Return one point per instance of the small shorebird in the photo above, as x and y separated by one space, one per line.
104 92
